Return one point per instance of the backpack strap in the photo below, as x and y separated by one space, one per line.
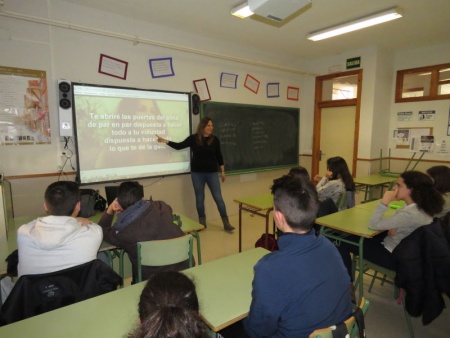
359 316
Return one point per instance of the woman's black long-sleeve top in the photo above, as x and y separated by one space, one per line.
206 157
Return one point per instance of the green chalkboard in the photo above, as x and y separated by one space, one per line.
255 138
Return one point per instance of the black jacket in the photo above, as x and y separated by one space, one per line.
423 270
36 294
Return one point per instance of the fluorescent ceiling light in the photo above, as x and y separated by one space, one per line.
375 19
242 11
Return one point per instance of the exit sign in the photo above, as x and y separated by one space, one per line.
354 63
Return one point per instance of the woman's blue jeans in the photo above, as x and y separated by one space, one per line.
212 180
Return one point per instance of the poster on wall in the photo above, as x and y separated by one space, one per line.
426 115
405 116
442 147
403 136
24 113
422 143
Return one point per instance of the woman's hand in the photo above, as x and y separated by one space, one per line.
161 140
317 178
389 196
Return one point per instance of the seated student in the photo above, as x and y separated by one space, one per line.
300 172
139 220
441 178
168 307
303 286
60 240
326 207
337 180
423 201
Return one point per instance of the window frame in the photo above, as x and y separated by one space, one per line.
434 84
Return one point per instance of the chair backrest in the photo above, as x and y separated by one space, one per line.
348 328
346 200
37 294
164 252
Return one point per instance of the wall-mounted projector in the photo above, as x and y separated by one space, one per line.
276 10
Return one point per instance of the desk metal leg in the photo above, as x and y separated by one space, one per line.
361 268
240 227
267 228
196 234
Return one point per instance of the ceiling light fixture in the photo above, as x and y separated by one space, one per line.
242 11
375 19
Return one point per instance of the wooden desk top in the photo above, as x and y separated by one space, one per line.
373 180
260 202
223 287
352 221
355 220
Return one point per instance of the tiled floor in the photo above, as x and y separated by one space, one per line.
384 319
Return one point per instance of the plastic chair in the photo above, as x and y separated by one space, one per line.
346 200
398 294
349 328
164 252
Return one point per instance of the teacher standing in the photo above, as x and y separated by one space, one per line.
206 159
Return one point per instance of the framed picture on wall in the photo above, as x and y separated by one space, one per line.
201 87
113 67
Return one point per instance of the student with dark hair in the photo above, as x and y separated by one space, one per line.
206 159
300 172
168 308
337 180
441 178
291 285
139 220
60 240
423 202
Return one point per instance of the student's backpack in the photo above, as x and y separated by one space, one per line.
272 243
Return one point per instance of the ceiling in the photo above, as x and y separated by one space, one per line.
425 22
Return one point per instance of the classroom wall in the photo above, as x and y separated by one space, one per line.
74 55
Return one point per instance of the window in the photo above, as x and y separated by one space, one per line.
340 88
422 84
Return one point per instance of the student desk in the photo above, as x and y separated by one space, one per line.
368 183
353 221
223 287
255 205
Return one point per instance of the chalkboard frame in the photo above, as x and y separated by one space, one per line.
215 110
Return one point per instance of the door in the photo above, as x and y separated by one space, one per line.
337 135
336 119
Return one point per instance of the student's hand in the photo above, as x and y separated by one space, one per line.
222 176
83 221
389 196
161 140
317 178
392 232
114 207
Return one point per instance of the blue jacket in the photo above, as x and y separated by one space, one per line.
301 287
